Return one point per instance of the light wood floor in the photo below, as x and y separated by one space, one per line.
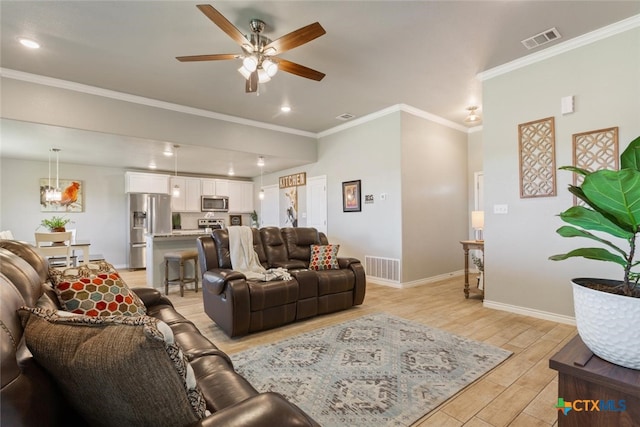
522 391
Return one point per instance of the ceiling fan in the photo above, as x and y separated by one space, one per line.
259 61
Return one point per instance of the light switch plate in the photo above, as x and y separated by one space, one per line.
501 209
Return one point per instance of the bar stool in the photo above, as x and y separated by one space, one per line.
181 257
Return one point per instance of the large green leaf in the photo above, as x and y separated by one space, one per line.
630 158
617 193
568 231
575 169
592 220
597 254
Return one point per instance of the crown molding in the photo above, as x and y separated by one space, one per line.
394 109
574 43
135 99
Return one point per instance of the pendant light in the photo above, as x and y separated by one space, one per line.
176 188
261 165
54 194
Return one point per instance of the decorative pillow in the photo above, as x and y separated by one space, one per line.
324 257
116 370
95 289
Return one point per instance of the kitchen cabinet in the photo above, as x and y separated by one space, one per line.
240 197
140 182
214 187
189 199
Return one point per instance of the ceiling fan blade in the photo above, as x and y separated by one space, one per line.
299 70
294 39
224 24
251 85
217 57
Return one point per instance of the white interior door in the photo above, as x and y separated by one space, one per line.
269 207
317 203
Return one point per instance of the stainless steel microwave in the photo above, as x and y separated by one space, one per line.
214 204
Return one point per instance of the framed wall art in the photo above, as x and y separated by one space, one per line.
594 150
235 219
537 158
72 196
351 196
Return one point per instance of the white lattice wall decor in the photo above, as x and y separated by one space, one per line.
537 158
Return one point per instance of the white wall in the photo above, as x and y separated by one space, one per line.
369 152
103 221
603 77
421 168
434 198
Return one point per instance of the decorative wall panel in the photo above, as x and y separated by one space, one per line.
537 158
594 150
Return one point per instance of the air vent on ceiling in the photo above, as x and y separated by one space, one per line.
542 38
345 116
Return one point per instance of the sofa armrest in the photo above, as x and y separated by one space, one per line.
360 285
345 262
265 409
151 297
214 281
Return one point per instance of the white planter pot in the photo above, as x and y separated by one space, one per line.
609 324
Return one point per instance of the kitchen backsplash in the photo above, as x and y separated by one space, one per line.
189 220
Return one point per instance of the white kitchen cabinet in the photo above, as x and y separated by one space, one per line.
214 187
140 182
189 199
240 197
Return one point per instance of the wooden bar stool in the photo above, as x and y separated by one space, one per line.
181 257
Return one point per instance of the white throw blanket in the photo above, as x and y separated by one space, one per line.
245 259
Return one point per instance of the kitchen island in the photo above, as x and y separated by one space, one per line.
158 245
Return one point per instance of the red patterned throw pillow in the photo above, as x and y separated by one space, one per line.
95 290
324 257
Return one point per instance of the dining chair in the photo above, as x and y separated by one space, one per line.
55 247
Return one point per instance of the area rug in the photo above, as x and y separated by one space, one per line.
377 370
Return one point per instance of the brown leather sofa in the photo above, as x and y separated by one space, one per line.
30 396
240 306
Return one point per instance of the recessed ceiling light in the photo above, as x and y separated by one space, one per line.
285 109
167 153
31 44
152 165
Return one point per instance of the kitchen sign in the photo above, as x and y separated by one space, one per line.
294 180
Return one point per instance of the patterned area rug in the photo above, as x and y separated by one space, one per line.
375 370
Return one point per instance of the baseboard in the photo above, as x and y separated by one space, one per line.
539 314
414 283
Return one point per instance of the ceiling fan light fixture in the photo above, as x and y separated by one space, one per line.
245 73
270 67
250 63
263 76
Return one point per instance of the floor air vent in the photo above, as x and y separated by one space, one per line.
542 38
382 268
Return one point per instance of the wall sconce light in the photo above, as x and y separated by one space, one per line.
477 223
472 117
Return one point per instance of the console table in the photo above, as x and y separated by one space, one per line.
584 376
466 246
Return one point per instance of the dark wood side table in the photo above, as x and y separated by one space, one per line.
584 376
466 245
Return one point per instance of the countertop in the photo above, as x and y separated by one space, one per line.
182 233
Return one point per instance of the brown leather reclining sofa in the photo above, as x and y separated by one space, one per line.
31 397
240 306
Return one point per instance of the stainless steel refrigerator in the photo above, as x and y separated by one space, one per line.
149 214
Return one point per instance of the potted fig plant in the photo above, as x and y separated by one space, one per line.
55 223
608 311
